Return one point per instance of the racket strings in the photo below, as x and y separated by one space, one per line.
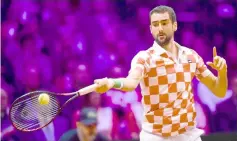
24 101
31 117
28 114
31 102
31 114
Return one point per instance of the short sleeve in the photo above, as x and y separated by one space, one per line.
201 69
140 61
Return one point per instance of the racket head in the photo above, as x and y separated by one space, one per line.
27 114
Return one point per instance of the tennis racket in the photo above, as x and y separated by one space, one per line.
27 114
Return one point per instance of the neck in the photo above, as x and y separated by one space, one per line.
171 47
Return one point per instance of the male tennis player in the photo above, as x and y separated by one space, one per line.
165 72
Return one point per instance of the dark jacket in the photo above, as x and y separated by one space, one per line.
71 135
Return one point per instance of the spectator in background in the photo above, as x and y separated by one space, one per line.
4 105
86 128
7 130
107 119
206 97
51 132
218 40
128 127
226 115
188 36
7 70
113 123
43 43
202 120
231 56
129 112
201 46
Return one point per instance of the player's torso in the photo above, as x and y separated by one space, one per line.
167 78
167 91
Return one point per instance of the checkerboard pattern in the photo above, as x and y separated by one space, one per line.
166 88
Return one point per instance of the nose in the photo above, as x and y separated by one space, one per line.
160 28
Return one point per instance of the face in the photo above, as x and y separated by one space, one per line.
162 28
88 131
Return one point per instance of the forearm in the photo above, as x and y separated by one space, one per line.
221 84
125 84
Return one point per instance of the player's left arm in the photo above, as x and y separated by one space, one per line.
217 84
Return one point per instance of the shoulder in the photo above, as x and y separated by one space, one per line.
68 135
141 56
145 54
142 53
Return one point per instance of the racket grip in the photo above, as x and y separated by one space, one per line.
87 89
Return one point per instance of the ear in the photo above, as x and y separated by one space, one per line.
175 26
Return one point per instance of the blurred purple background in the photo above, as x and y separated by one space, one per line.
62 46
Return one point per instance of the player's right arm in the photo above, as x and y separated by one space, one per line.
125 84
136 73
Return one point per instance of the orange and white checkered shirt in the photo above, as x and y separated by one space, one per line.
166 88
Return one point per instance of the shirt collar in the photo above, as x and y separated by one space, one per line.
158 49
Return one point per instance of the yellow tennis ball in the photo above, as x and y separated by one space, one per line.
43 99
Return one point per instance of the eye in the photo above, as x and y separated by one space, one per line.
164 23
155 24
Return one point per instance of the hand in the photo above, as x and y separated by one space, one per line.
218 63
104 85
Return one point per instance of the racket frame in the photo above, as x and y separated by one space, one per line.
80 92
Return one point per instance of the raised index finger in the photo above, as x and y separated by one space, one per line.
214 52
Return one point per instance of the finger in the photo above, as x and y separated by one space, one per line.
216 60
219 62
105 79
214 52
209 63
98 82
223 64
101 82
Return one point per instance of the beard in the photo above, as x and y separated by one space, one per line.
162 41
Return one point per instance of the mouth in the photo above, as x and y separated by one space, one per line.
161 36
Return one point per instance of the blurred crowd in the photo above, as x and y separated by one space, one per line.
62 46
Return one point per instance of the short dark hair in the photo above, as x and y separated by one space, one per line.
164 9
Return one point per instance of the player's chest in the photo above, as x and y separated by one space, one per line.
179 68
